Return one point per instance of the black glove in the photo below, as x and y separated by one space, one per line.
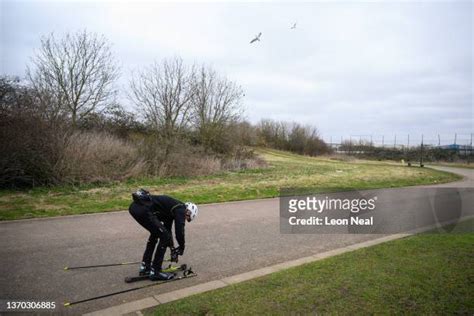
175 252
180 250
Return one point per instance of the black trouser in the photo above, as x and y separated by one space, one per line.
157 230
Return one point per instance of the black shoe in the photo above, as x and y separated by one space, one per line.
160 276
144 269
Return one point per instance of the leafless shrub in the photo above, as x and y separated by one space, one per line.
98 157
183 159
246 133
292 137
193 165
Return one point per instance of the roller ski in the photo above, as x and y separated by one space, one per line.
164 275
145 269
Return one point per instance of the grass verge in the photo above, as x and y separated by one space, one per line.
285 170
454 165
427 274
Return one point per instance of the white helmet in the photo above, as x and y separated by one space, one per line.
193 210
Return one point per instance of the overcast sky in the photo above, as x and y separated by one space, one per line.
349 68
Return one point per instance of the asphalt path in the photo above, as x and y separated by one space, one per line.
226 239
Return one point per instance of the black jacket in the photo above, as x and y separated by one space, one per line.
169 210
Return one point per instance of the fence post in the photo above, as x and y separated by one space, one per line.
470 151
421 152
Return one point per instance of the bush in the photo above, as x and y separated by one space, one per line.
28 142
293 137
28 151
98 157
187 159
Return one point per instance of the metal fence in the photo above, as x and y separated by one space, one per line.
461 143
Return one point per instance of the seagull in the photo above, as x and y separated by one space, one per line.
257 38
294 26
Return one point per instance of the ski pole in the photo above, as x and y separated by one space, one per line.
107 265
129 290
102 265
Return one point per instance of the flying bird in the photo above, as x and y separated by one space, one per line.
257 38
294 26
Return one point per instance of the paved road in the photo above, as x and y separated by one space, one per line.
226 239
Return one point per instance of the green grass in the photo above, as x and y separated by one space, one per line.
285 170
427 274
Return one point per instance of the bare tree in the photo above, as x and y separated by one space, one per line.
163 93
74 74
216 105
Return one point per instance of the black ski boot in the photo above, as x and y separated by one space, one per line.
160 275
144 269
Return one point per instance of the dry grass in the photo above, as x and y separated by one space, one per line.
98 157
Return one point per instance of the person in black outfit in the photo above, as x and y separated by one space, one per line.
156 213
